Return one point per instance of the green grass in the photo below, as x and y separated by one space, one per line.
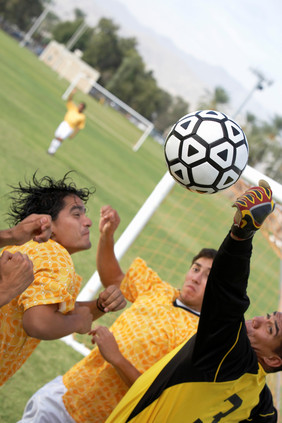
102 156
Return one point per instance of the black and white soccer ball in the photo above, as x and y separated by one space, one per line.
206 151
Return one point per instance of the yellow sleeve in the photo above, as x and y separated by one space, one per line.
55 281
140 278
71 105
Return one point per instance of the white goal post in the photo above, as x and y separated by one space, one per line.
132 231
136 118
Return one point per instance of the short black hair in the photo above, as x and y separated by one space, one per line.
43 196
206 253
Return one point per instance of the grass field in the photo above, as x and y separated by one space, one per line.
102 157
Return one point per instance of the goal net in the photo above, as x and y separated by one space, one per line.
173 225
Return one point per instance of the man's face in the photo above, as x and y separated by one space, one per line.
265 334
81 107
71 228
193 289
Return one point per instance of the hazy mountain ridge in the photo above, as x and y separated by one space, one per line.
176 72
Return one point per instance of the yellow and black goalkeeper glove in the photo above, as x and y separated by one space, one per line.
253 207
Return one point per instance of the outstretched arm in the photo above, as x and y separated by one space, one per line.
70 97
225 298
105 340
107 265
47 322
35 226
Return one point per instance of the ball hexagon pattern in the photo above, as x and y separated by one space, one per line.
206 151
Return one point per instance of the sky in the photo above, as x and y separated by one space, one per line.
238 35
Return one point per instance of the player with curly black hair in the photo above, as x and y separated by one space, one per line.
47 309
43 196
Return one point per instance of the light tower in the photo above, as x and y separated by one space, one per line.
261 83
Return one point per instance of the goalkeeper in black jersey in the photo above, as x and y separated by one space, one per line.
219 375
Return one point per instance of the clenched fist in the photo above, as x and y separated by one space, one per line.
16 274
111 299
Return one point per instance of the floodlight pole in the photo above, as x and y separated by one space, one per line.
34 27
260 85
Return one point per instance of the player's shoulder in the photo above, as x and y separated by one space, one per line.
49 247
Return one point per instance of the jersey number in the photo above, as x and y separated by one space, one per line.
235 401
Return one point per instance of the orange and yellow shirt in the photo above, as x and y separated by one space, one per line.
55 282
73 117
145 332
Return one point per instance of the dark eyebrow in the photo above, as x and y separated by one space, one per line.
199 265
276 324
75 207
277 328
196 264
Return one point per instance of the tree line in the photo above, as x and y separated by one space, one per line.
124 73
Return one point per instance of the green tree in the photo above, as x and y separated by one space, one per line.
21 12
134 85
63 32
214 100
79 14
170 112
104 51
127 46
265 143
256 139
137 87
273 133
274 167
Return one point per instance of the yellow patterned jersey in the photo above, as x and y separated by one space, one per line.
55 282
150 328
73 117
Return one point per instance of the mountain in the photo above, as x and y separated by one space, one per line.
176 71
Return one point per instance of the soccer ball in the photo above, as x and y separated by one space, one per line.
206 151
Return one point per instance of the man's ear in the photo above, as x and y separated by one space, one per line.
273 361
53 230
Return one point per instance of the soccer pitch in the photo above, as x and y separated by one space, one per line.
102 157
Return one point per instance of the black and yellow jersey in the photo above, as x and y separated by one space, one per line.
215 376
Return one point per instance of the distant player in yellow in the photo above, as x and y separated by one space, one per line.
73 122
